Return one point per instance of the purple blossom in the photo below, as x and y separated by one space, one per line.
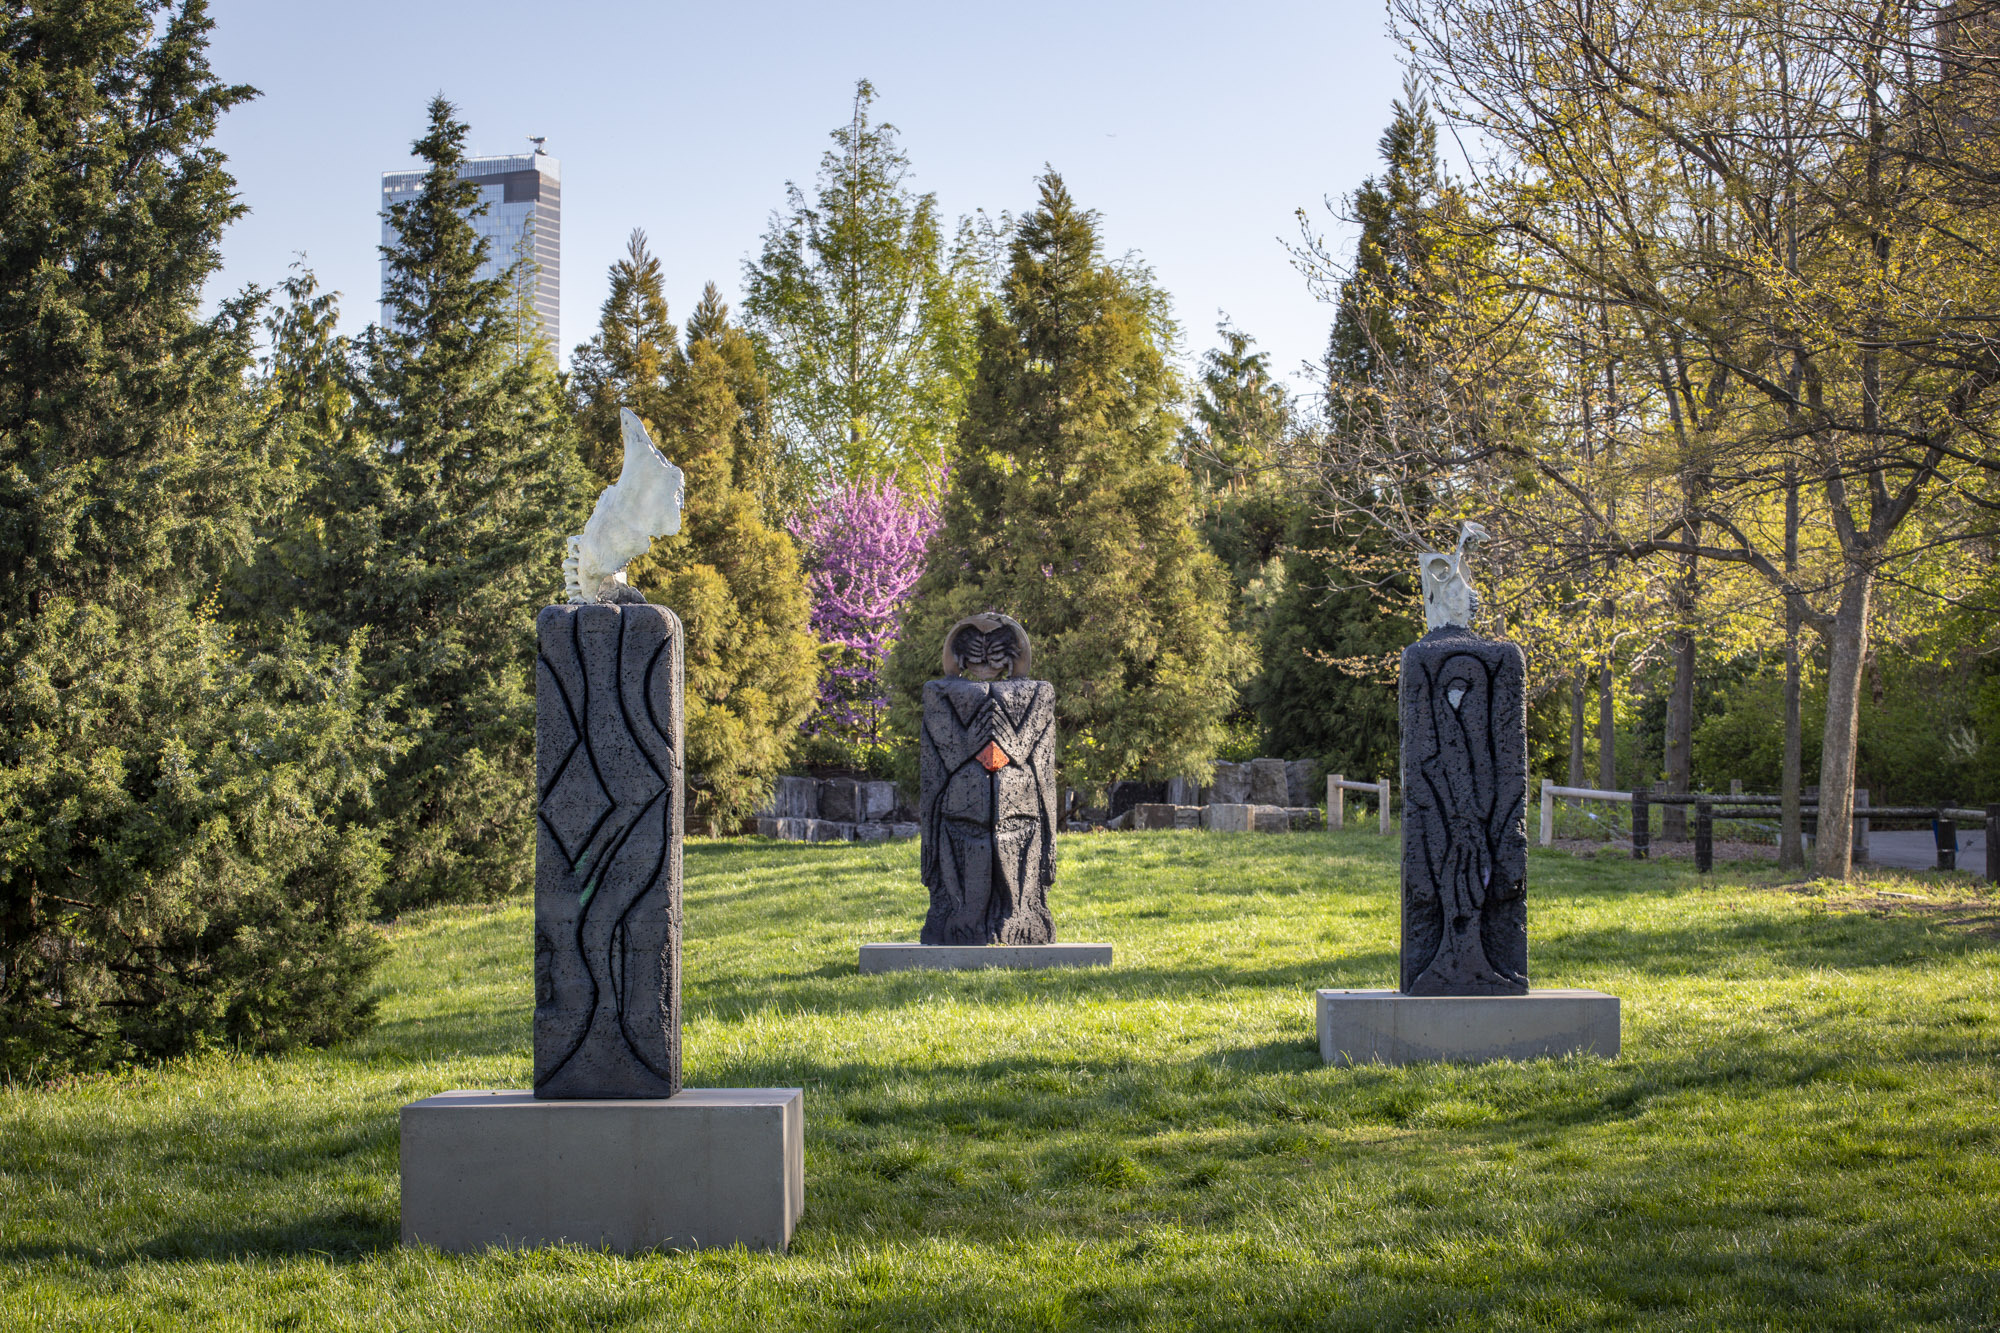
864 550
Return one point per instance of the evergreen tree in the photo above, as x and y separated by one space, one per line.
1066 512
431 534
1327 685
865 319
624 365
1233 448
732 578
181 857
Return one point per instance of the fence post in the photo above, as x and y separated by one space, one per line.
1993 844
1704 837
1859 855
1336 801
1642 822
1736 786
1946 831
1382 798
1548 811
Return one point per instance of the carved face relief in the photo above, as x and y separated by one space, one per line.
987 647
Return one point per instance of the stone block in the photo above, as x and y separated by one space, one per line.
1124 796
1270 819
1299 782
1183 791
768 826
795 798
1154 816
840 800
1267 782
608 817
796 830
829 830
709 1167
1303 817
875 831
901 831
1119 821
1230 785
875 801
1187 816
1226 818
968 957
1391 1028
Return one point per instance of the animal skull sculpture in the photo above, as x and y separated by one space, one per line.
644 503
1449 597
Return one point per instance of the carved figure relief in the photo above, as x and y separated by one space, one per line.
1465 835
988 799
608 747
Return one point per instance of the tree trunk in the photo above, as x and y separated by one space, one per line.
1607 731
1847 650
1791 843
1791 839
1680 712
1576 687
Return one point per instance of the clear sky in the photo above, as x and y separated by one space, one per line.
1195 130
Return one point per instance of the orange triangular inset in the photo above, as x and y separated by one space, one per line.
993 758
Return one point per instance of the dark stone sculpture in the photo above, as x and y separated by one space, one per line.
988 803
1465 800
608 747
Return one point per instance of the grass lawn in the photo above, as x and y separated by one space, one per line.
1803 1130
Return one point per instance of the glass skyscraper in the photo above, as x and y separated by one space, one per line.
523 196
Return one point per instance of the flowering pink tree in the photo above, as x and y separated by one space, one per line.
864 549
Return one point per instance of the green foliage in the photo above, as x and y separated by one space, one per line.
1065 512
181 855
432 531
864 318
732 578
1327 688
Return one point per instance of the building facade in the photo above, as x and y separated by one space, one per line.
523 220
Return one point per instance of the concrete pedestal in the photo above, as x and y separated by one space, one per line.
707 1167
1358 1027
964 957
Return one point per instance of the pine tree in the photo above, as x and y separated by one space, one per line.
437 533
182 859
1066 512
1327 685
1233 448
732 578
864 315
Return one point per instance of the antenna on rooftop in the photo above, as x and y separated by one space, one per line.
538 140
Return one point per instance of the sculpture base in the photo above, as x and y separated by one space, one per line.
709 1167
964 957
1359 1027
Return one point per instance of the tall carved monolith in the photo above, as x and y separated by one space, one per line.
1465 800
989 799
608 747
607 1150
1463 992
1465 796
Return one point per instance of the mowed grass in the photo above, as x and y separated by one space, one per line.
1800 1133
